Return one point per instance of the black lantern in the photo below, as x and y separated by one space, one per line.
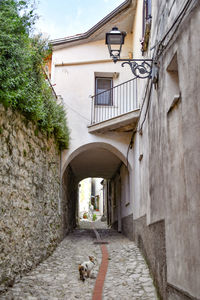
141 68
115 40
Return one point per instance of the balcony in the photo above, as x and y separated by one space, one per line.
115 109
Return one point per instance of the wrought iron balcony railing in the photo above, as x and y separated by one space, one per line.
114 102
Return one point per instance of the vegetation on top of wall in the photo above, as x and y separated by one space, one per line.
23 85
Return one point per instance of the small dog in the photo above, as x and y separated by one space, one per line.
86 267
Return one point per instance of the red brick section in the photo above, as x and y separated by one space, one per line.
98 288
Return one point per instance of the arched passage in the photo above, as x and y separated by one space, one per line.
90 147
96 160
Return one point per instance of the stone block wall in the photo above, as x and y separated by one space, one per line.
69 201
30 226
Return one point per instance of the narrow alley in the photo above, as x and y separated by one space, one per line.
99 150
58 277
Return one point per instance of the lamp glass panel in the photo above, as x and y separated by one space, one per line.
115 39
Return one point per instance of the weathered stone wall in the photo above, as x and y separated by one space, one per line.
69 200
30 227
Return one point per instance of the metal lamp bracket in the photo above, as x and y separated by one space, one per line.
141 68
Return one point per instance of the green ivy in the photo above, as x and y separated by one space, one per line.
22 82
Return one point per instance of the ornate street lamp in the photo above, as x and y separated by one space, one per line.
115 40
141 68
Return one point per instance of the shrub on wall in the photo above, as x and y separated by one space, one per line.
22 82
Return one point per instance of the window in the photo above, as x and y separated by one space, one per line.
103 91
172 81
146 24
147 9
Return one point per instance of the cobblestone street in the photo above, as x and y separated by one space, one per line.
58 277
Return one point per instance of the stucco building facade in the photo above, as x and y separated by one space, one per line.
140 135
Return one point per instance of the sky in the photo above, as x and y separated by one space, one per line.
62 18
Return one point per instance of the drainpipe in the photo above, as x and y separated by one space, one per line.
108 202
118 187
119 207
77 207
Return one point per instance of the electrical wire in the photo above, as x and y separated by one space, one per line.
148 103
181 16
178 19
136 130
158 50
77 112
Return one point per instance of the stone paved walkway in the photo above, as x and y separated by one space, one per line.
128 276
58 278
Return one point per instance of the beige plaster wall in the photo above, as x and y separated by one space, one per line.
88 51
140 179
183 180
169 171
75 82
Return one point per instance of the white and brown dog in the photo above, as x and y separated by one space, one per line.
86 267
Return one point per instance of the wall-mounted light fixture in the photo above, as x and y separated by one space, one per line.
141 68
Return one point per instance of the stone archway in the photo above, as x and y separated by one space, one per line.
91 160
94 146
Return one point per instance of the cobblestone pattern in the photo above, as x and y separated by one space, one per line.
58 278
128 275
29 192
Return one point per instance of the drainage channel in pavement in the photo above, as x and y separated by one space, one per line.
57 278
98 288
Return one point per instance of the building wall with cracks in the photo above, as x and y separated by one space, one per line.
167 206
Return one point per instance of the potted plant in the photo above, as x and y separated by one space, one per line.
85 216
